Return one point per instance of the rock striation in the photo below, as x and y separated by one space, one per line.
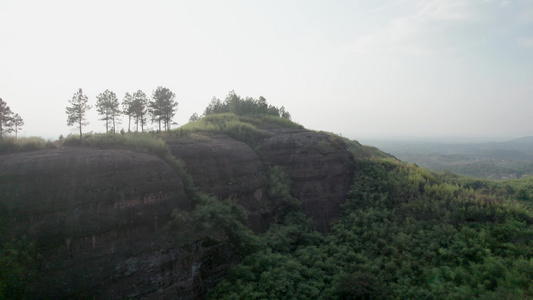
94 215
320 167
226 168
97 215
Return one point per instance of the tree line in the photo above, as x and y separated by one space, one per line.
160 109
239 106
9 121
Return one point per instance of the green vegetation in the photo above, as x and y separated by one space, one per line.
141 142
9 121
107 106
239 106
406 233
12 145
76 112
243 128
19 263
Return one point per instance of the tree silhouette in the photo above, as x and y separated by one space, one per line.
127 108
77 110
17 123
107 106
5 118
140 108
163 107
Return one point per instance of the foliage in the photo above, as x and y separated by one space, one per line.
239 106
12 145
227 123
77 110
128 108
406 233
19 262
9 121
194 117
107 106
141 142
163 106
140 109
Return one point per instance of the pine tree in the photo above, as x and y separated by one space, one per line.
77 110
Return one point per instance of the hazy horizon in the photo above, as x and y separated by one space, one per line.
441 68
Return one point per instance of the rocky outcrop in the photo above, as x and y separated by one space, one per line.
95 216
318 164
226 168
320 167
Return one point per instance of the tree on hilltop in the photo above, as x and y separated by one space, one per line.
5 118
77 110
194 117
239 106
17 123
140 109
127 108
107 105
163 107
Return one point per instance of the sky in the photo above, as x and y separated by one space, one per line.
357 68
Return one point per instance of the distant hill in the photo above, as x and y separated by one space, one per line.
493 160
523 140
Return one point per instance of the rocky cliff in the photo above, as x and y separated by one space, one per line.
96 214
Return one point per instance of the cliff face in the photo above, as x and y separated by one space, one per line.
97 215
226 168
320 167
94 215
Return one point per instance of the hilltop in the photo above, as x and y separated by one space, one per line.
242 203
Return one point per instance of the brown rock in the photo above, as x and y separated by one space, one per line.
320 167
94 215
225 168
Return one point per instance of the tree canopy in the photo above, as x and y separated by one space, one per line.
107 105
76 112
163 106
9 121
239 106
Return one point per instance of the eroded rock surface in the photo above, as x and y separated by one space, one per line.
320 167
95 216
226 168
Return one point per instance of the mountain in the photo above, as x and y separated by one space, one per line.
99 216
254 206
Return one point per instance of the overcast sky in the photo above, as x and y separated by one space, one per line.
359 68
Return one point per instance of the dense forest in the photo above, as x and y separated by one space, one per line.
405 232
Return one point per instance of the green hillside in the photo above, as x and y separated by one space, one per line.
404 233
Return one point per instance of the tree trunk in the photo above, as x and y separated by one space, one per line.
80 131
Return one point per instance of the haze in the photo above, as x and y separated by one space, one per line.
359 68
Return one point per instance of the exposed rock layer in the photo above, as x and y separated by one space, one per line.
320 167
96 214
